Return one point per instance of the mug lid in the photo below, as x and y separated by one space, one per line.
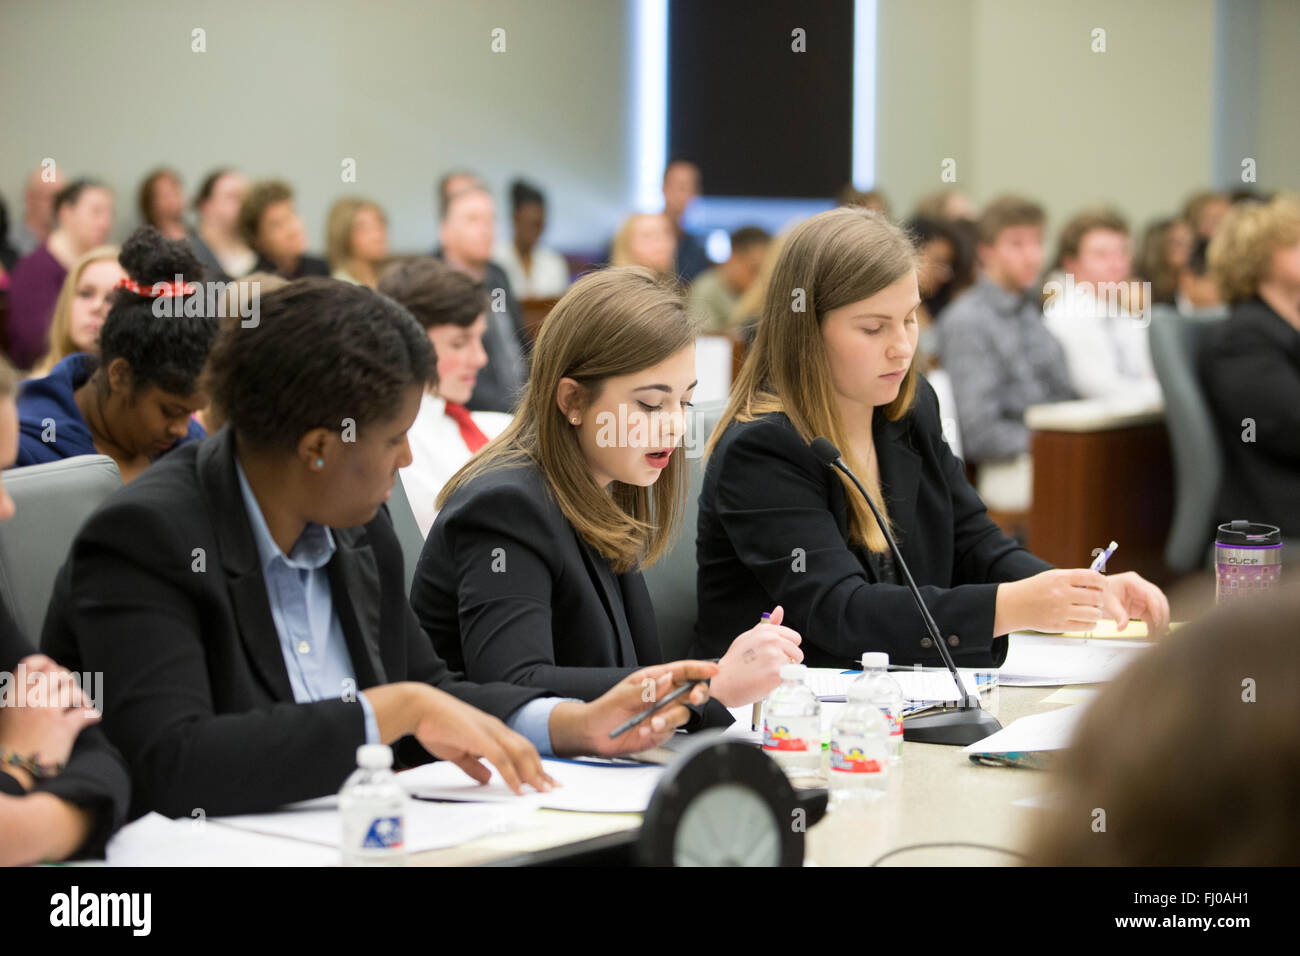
1242 533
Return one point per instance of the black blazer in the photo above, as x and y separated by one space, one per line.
95 778
773 530
196 694
508 590
1250 368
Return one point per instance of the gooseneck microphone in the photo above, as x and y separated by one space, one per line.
969 722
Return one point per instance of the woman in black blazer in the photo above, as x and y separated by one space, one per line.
531 572
245 600
48 811
833 357
1250 365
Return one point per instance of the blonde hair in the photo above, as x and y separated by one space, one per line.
620 253
835 258
60 335
1242 249
338 228
617 321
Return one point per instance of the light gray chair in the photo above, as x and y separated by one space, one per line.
408 530
1176 342
672 580
51 501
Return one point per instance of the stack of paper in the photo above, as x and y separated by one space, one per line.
1046 660
588 786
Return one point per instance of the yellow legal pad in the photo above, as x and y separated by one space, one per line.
1136 630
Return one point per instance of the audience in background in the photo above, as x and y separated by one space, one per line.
1192 765
1198 290
217 242
1250 365
134 401
80 309
1162 257
451 308
1000 355
1097 313
38 221
1204 211
535 272
356 241
453 182
270 226
161 202
83 215
681 186
465 233
749 307
937 247
63 788
873 199
8 254
645 239
947 205
239 293
716 291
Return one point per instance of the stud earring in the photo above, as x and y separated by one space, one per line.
574 420
320 463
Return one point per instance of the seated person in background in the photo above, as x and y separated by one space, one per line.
217 243
1204 211
162 203
270 226
681 186
1166 245
251 685
1198 290
937 246
873 199
1190 771
535 272
80 309
1250 365
38 219
83 212
532 572
451 307
80 796
1096 311
645 239
356 241
465 232
1000 355
134 401
946 205
715 292
778 526
744 317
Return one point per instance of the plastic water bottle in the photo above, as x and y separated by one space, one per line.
888 696
373 807
792 725
860 745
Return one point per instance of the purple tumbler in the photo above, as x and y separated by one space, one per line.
1247 560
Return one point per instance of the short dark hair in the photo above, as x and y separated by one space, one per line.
323 350
747 237
1072 232
163 350
522 193
144 199
70 194
261 196
434 293
1198 261
209 183
1006 212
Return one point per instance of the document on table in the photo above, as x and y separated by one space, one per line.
588 786
1034 734
1048 660
155 840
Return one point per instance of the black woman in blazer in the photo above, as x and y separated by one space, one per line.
196 693
507 590
773 530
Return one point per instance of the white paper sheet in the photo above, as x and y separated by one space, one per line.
155 840
588 786
1033 734
1043 660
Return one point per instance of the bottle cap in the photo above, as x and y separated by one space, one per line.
793 671
875 659
374 756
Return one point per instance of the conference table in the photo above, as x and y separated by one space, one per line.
938 796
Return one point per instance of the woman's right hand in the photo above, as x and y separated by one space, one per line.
45 727
1057 600
751 668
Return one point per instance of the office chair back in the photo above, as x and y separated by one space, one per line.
1198 457
671 581
51 501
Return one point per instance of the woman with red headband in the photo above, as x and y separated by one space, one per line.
134 402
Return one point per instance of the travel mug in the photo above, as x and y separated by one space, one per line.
1247 560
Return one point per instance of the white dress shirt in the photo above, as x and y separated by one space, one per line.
437 452
548 279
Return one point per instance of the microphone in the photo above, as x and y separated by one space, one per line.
969 722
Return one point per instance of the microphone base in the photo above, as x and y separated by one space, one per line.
953 728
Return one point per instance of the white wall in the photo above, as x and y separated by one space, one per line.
407 88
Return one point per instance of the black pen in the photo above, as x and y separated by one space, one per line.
633 721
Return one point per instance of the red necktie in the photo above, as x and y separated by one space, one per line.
474 437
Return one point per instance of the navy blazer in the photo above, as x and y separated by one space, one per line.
773 529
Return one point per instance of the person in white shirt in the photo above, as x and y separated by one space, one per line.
452 309
535 272
1099 313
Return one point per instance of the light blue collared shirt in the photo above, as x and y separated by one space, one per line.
311 637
